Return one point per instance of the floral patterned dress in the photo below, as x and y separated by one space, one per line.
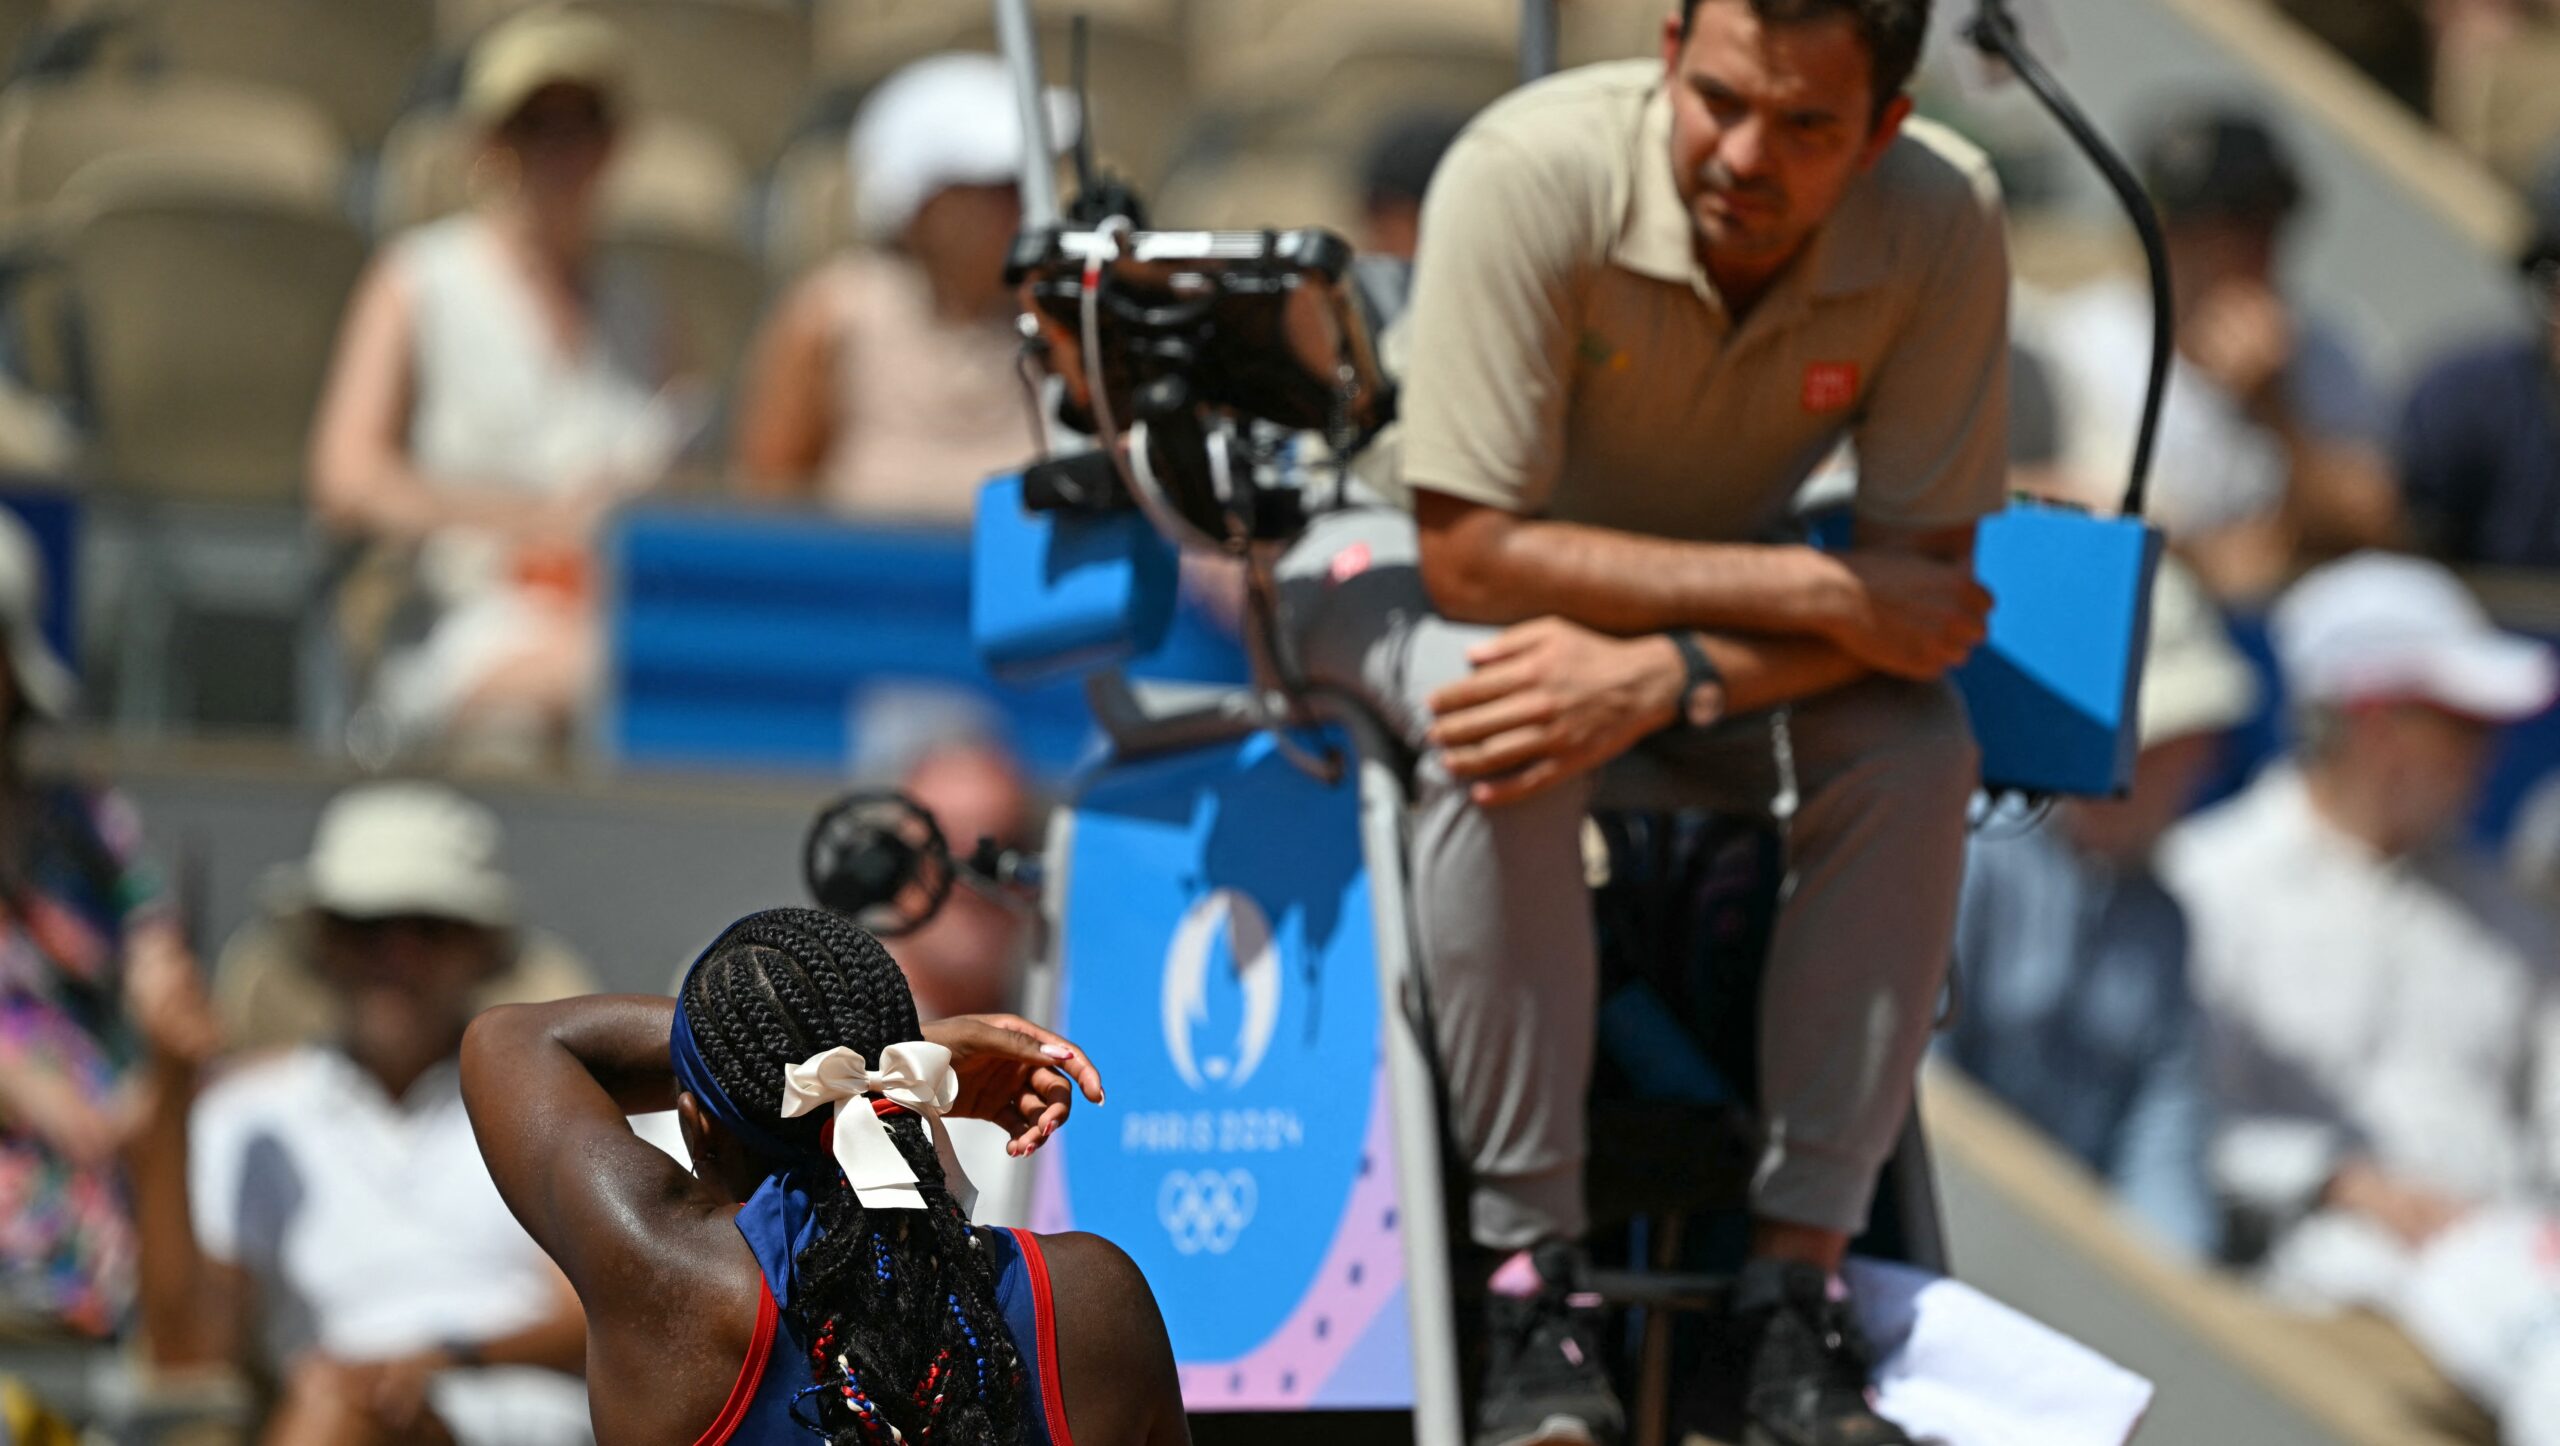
66 1233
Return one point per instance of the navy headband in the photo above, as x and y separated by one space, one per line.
694 1074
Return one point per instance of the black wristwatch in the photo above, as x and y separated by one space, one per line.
1702 689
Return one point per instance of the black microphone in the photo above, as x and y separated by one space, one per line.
880 860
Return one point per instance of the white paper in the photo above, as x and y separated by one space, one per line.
1957 1368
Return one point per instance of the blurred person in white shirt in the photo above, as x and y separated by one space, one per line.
322 1215
2382 1006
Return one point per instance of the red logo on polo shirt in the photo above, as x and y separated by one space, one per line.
1830 386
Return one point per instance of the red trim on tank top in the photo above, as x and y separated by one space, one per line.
1053 1400
750 1376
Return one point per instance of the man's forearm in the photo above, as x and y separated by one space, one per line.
186 1312
1764 672
1626 583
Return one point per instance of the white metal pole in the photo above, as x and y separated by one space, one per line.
1020 40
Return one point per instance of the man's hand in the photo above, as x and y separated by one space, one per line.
1549 700
2241 335
2415 1214
165 996
1015 1073
394 1392
1907 615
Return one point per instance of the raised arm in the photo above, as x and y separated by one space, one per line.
550 1088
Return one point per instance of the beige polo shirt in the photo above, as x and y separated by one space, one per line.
1566 356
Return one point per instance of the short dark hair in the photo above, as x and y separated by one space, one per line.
1894 32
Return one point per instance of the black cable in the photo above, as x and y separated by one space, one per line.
1994 32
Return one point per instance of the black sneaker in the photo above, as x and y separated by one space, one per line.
1807 1381
1544 1381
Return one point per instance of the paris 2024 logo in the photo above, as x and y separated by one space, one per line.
1207 1210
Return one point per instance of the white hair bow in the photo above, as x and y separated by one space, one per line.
917 1075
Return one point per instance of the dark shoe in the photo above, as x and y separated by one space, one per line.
1544 1381
1807 1381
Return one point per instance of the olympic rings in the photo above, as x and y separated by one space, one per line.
1205 1210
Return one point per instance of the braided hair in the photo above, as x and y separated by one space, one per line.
897 1307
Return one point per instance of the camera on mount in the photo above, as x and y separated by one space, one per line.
1217 355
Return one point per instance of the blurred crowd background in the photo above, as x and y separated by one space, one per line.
584 406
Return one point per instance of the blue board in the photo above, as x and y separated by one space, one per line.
1247 1160
2053 693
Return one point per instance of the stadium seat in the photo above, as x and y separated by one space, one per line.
1138 71
269 139
355 59
808 206
225 134
1594 30
459 21
20 20
669 169
671 176
207 315
424 171
1330 72
740 67
1279 186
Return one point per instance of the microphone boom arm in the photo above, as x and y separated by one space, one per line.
1994 32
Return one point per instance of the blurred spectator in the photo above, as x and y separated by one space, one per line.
969 959
1396 173
83 931
887 383
2267 447
1393 178
495 392
2480 442
2381 1007
2497 81
269 991
323 1214
2073 957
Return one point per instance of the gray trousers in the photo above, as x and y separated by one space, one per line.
1870 786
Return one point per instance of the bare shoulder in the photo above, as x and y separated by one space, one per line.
1095 1280
1119 1381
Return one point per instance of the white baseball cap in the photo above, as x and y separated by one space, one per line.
388 849
945 120
2193 680
43 682
2381 627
